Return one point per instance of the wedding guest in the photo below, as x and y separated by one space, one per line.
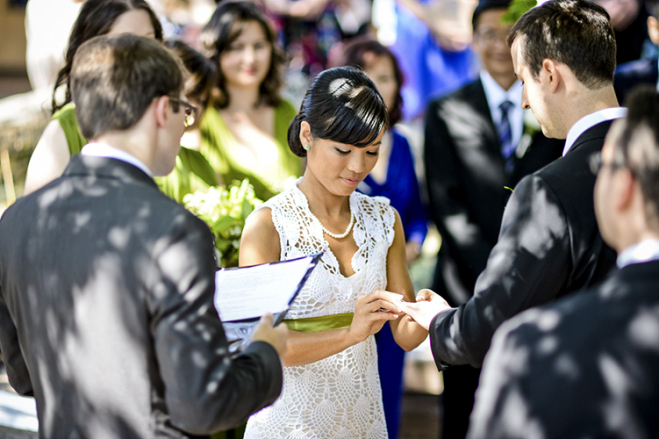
432 45
393 177
549 246
644 70
243 134
331 383
192 171
588 366
479 141
62 137
106 284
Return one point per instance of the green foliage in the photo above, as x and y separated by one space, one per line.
225 212
518 8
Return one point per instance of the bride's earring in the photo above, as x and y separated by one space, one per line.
307 147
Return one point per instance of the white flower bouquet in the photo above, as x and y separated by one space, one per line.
225 211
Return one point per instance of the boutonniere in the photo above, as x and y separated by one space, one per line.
530 126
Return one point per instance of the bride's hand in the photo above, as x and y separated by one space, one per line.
372 311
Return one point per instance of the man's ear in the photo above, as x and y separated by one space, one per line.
627 189
305 133
552 74
160 107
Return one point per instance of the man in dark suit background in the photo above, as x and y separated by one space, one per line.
549 245
588 366
478 142
644 70
106 285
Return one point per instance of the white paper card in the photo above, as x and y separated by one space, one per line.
250 292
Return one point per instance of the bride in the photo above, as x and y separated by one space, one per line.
331 383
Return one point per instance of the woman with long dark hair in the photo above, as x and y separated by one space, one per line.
62 137
243 133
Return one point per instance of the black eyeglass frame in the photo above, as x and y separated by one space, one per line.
190 110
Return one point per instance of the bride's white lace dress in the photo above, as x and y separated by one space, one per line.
339 396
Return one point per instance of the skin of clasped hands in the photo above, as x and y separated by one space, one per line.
372 311
428 304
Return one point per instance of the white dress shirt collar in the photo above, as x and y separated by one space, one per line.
590 121
104 150
496 95
645 251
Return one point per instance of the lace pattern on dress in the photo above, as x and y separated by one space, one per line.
339 396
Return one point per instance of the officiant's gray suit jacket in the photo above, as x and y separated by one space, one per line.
107 317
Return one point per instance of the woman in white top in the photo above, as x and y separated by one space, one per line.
331 383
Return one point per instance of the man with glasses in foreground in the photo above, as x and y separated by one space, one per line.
588 366
106 285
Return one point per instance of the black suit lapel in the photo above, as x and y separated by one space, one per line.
477 96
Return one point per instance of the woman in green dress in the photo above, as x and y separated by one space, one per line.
62 137
243 132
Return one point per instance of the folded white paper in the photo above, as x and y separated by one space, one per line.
247 293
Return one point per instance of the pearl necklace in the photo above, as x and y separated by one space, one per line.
344 234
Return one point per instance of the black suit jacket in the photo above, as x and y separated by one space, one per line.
107 316
467 183
634 73
549 245
585 367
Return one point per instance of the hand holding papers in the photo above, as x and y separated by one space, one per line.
243 295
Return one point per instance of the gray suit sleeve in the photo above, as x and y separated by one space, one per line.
17 372
528 266
205 389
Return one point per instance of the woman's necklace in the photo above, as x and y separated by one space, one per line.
344 234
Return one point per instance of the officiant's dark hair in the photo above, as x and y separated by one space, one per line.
577 33
637 144
342 105
115 79
96 18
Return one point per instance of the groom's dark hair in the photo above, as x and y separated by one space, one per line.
115 79
577 33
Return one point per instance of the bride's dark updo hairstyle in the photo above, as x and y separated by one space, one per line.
342 105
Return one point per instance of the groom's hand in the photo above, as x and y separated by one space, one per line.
428 304
274 336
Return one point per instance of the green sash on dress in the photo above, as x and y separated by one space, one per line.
317 324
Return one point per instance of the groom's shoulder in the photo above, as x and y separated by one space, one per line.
571 175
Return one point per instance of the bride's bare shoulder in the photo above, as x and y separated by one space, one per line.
260 240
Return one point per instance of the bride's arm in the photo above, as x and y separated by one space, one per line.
260 244
408 334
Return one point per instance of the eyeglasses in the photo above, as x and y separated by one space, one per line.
491 36
596 163
190 110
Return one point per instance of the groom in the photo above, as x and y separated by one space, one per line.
564 53
106 285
